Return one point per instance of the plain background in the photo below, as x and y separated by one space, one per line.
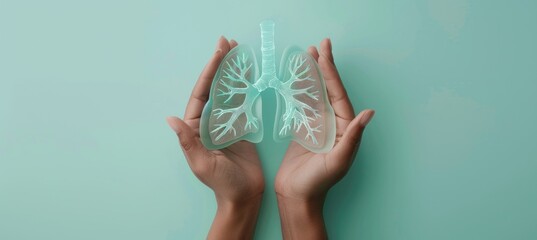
85 86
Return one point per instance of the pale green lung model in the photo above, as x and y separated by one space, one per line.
233 112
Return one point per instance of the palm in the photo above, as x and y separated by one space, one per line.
300 175
236 170
305 174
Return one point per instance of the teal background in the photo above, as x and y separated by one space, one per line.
85 86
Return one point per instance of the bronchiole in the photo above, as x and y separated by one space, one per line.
233 111
235 73
295 115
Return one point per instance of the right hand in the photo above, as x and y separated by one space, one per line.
233 173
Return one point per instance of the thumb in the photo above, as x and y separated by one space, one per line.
190 143
352 136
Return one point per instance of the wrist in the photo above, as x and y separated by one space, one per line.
235 219
302 218
248 206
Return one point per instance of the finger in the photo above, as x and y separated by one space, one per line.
200 93
312 50
196 154
326 44
336 91
341 156
223 44
232 44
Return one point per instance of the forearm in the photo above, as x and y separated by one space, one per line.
301 219
235 220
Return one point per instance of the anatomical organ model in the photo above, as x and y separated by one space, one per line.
233 112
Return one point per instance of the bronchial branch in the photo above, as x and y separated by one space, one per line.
235 74
296 112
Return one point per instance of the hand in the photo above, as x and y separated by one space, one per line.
233 173
304 177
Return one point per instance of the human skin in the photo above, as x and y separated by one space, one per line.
304 177
233 173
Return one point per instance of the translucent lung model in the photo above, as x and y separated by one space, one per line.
233 112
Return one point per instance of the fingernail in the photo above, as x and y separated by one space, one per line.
218 42
329 43
172 124
367 117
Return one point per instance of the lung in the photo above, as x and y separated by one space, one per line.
233 111
303 113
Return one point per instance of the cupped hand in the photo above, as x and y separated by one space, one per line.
233 173
307 176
